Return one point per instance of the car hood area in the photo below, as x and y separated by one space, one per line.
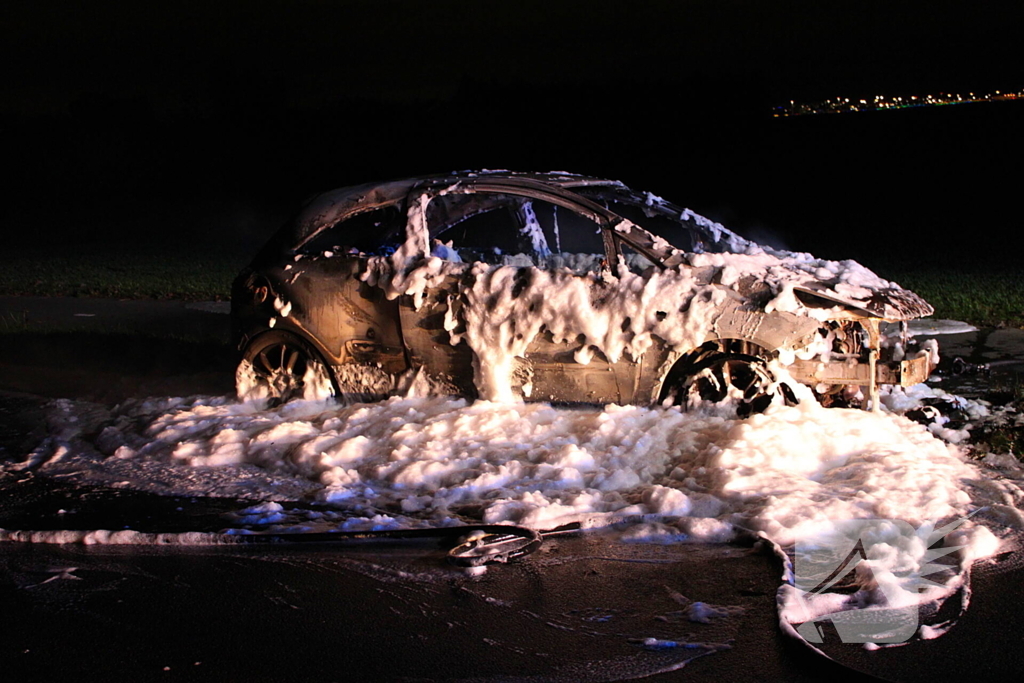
797 279
801 283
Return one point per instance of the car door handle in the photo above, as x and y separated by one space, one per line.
359 346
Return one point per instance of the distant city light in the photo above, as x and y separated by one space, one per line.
843 105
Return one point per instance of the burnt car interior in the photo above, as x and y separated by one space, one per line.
488 226
656 218
375 233
485 227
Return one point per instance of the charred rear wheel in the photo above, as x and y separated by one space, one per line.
722 371
278 366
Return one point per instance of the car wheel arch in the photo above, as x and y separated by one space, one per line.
288 334
681 368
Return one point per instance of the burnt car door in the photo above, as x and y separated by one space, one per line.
506 235
357 326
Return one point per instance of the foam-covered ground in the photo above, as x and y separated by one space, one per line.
432 461
792 475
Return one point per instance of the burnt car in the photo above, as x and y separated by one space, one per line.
556 287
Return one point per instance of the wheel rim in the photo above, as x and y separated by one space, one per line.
725 376
724 372
281 359
279 369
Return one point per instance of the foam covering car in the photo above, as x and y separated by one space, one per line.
556 287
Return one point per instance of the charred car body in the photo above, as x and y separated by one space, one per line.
554 287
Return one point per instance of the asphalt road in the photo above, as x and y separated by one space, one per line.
583 608
105 350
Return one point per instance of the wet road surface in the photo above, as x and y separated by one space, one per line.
585 607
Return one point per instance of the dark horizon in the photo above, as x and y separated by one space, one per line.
188 56
189 121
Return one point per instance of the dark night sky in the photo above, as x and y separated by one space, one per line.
183 56
221 116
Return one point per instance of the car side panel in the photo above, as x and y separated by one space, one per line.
448 368
556 376
354 325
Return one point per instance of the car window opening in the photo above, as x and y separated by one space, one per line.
656 219
373 233
510 230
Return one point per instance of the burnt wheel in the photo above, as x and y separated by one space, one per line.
278 366
722 371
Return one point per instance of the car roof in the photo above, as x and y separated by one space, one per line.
331 207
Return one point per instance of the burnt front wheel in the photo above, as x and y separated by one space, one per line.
279 366
727 371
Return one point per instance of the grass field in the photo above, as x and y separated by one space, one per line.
986 294
982 293
122 274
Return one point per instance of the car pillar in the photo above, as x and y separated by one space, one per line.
874 341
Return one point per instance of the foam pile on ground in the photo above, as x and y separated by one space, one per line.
790 474
700 476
